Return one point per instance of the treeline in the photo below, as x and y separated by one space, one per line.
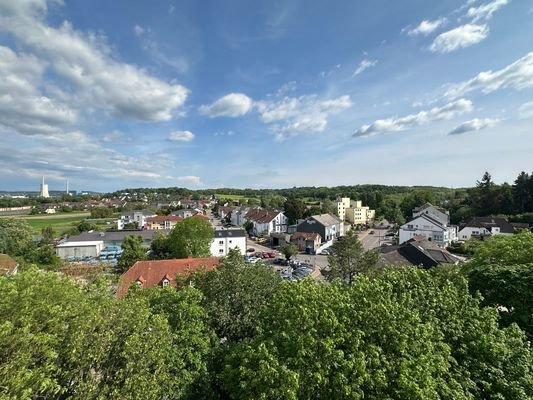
240 332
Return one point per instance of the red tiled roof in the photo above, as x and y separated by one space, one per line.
201 216
306 235
163 218
261 216
7 264
153 272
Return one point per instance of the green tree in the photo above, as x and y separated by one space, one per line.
294 209
349 258
59 341
133 251
288 250
405 334
86 226
235 293
159 247
101 212
47 234
191 238
328 207
502 271
413 200
484 196
522 195
15 237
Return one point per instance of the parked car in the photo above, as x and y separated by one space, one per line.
250 250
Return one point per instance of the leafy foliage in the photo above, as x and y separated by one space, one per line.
15 236
405 334
349 258
133 252
235 294
191 238
288 250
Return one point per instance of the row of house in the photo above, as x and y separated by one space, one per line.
90 244
433 224
147 219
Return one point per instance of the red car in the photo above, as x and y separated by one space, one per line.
267 255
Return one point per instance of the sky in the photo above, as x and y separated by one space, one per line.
259 94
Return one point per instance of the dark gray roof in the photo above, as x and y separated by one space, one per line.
488 223
225 233
115 235
429 219
326 219
418 253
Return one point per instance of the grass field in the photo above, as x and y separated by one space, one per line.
59 222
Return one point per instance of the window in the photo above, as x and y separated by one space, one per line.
165 282
221 242
220 251
410 226
230 241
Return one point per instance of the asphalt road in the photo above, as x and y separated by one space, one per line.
372 241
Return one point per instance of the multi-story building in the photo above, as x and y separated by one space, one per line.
430 222
354 211
137 217
162 222
266 221
225 240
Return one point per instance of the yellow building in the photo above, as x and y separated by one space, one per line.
355 212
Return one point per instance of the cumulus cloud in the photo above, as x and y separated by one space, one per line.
85 62
526 110
293 116
23 107
518 76
397 124
190 180
426 27
459 38
475 124
486 10
364 65
230 105
181 136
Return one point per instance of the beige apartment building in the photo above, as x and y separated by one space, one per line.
354 211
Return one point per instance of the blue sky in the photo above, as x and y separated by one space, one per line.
264 93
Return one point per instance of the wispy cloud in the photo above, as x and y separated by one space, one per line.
485 11
518 76
475 124
181 136
364 65
230 105
398 124
526 110
426 27
459 38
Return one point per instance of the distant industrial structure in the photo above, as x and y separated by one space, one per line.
44 190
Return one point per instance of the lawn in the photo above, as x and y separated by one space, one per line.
59 222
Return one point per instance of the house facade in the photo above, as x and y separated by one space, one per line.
162 222
328 226
354 211
306 241
137 217
425 226
225 240
481 227
437 213
266 221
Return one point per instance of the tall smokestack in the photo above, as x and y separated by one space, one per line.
67 192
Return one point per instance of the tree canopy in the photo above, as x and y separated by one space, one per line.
15 236
132 252
190 238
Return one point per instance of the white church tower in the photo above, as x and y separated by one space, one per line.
44 190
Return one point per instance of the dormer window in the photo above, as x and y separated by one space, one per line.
165 282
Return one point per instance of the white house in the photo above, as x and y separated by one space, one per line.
485 226
430 228
227 239
266 221
438 213
137 217
238 215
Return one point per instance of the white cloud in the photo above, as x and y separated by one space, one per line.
23 107
139 30
526 110
84 61
426 27
486 10
459 38
518 76
230 105
364 65
475 124
181 136
397 124
190 180
292 116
